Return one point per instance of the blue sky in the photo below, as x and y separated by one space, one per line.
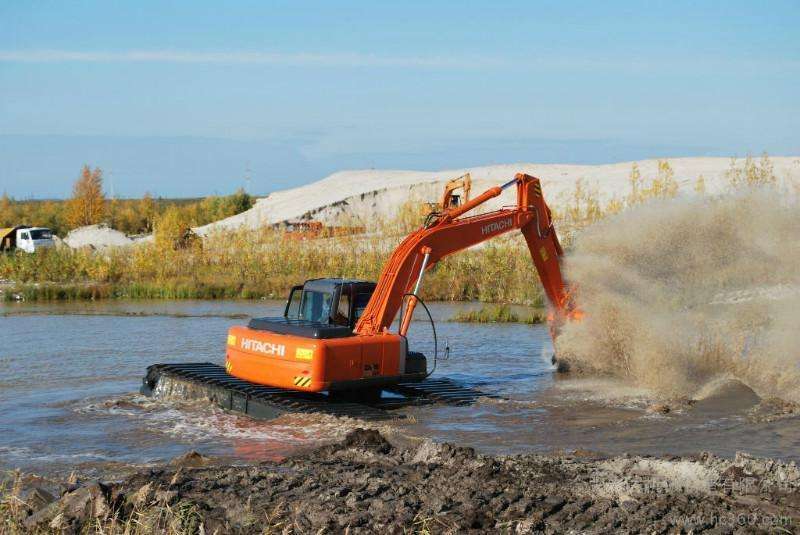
181 98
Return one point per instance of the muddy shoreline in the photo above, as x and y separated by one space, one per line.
367 484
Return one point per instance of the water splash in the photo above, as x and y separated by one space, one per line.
681 293
183 411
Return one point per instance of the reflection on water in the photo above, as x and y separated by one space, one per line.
69 374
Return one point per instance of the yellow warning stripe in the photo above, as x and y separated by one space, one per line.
537 189
302 381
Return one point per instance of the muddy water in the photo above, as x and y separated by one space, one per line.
70 373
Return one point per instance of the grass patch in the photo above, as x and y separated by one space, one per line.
133 290
248 264
500 314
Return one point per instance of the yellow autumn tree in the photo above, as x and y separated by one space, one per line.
751 174
635 181
584 208
700 185
88 203
173 230
6 215
664 186
147 211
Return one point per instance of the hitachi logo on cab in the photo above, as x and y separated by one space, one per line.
497 226
266 348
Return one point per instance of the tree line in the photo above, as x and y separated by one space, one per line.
89 205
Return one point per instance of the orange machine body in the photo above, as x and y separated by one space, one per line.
362 352
314 365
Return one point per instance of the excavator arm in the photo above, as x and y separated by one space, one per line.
451 231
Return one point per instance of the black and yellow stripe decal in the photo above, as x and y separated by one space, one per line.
537 189
302 381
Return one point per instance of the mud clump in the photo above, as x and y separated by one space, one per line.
191 459
361 439
365 484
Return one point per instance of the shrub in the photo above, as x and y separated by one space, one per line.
500 314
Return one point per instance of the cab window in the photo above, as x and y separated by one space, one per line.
316 306
342 316
360 303
292 311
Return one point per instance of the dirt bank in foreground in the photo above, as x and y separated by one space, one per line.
368 484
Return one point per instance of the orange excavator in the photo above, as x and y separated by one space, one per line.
335 334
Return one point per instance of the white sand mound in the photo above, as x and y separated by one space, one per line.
367 193
97 237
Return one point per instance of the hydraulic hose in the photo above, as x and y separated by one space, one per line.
433 328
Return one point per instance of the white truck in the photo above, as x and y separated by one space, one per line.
28 239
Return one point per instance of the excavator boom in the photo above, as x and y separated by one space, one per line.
452 231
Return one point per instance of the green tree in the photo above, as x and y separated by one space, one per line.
241 201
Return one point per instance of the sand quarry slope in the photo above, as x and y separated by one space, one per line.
96 236
366 193
101 237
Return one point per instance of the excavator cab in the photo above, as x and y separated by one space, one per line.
335 302
456 192
320 309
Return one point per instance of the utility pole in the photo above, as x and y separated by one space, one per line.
111 183
247 177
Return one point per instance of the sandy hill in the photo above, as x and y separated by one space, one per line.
368 193
96 236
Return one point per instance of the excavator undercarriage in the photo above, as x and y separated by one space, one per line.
210 382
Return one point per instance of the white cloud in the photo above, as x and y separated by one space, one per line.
537 64
264 58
